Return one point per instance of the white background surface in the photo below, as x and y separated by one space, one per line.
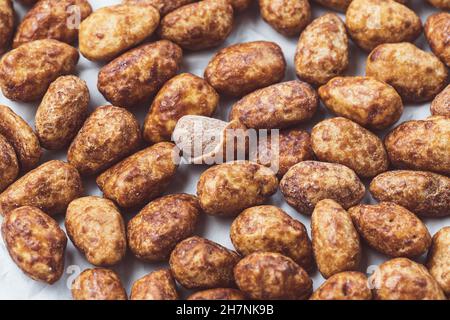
248 27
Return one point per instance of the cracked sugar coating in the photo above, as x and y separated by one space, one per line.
164 6
391 229
127 81
437 32
245 67
163 223
308 182
272 276
403 279
218 294
334 238
198 263
158 285
200 25
424 193
441 104
270 229
349 285
9 165
96 228
6 24
439 259
36 243
98 284
322 50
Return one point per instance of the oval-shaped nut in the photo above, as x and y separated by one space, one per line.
245 67
278 106
293 146
424 193
50 187
36 243
374 22
98 284
439 259
343 141
22 138
441 104
270 229
27 72
364 100
200 25
403 279
108 135
158 285
96 228
6 24
334 238
218 294
52 19
141 177
9 165
415 74
163 6
62 112
109 31
437 32
286 16
185 94
322 50
163 223
228 189
348 285
442 4
198 263
339 5
272 276
127 81
391 229
308 182
421 145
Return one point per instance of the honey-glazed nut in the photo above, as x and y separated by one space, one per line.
198 26
126 81
98 284
158 285
21 137
198 263
270 229
403 279
50 187
338 5
441 4
108 135
240 5
349 285
27 72
441 104
272 276
218 294
424 193
294 146
277 106
421 145
288 17
343 141
141 177
367 101
439 259
374 22
243 68
62 112
437 32
9 165
6 24
228 189
308 182
52 19
416 75
322 50
185 94
36 243
96 228
391 229
163 223
164 6
109 31
335 240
